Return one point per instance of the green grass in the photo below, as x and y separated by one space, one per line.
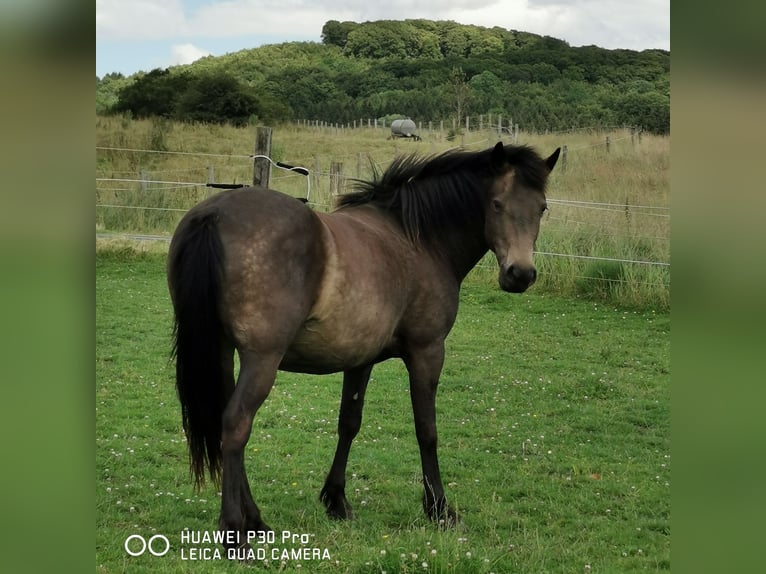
553 416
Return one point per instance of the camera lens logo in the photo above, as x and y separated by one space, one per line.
141 545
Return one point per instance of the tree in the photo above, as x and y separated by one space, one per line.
649 110
336 33
153 94
392 39
217 97
487 90
460 92
107 90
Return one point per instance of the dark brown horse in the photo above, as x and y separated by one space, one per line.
257 272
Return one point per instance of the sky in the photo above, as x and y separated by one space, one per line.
135 35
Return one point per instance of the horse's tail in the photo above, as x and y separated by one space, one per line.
195 267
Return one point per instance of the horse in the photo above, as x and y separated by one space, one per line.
254 271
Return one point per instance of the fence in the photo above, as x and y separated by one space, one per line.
498 124
598 241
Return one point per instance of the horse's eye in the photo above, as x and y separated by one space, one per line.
497 205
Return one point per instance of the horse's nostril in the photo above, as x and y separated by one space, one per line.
522 274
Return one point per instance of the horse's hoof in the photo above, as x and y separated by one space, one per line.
341 511
449 520
442 514
337 506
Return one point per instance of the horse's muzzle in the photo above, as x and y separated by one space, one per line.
517 278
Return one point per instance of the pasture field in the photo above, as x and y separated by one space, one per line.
554 422
604 205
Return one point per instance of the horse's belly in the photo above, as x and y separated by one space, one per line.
322 347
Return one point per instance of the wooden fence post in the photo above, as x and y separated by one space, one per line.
608 142
336 177
262 165
563 158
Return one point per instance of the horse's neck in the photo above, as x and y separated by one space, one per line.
463 249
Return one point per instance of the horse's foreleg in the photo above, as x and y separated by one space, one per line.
239 513
333 493
424 366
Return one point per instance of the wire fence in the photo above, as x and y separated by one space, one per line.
574 230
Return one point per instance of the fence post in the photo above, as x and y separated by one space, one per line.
262 165
210 174
563 158
608 142
317 178
336 177
144 177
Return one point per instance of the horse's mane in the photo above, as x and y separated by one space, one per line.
433 193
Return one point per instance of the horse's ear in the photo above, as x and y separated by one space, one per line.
552 159
498 156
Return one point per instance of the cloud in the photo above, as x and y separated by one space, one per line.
607 23
140 19
186 53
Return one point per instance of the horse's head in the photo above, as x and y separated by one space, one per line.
514 206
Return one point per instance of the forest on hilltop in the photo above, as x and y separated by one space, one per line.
422 69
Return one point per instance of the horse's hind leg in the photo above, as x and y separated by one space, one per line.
349 421
239 513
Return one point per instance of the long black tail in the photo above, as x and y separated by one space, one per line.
195 266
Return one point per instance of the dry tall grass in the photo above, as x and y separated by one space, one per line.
624 190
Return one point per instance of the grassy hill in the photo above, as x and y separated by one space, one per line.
423 69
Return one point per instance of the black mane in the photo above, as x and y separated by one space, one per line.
429 194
